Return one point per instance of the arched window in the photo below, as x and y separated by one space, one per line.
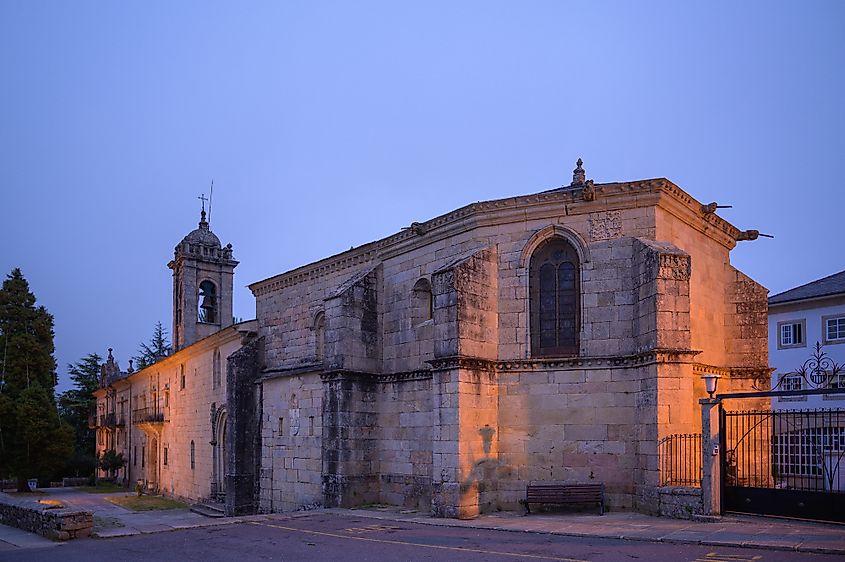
193 457
421 302
320 336
215 370
555 296
207 301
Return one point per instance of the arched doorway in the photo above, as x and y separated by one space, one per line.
219 453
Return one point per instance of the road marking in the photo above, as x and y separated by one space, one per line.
371 528
715 557
422 545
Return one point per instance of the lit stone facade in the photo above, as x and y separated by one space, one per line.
446 366
454 413
155 410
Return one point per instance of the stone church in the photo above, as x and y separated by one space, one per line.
556 336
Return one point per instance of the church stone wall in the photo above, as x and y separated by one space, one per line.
292 431
405 423
453 412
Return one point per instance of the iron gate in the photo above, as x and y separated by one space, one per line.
782 462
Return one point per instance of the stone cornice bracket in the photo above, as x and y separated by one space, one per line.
462 362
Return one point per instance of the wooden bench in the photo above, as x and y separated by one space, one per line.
564 494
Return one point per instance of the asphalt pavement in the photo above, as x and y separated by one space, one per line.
350 537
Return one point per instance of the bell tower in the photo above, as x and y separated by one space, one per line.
202 286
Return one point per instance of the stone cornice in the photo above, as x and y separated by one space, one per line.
617 361
751 373
553 203
406 376
462 362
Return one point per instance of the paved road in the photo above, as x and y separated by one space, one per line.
325 536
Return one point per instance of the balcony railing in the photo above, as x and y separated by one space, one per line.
148 415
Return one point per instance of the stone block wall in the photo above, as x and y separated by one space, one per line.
48 521
353 324
405 426
350 439
292 432
585 423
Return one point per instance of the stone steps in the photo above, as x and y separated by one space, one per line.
209 509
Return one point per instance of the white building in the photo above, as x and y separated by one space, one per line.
799 319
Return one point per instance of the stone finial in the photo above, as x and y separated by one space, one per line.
203 222
578 174
131 368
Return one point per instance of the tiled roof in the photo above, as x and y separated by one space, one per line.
826 286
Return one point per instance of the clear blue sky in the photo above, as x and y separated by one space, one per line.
329 124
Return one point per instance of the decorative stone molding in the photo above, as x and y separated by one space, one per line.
406 376
605 226
619 361
749 373
551 231
673 266
462 362
680 204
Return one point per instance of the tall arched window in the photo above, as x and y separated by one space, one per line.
207 301
215 370
320 336
421 302
555 296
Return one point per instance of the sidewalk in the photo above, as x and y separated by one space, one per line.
732 530
112 520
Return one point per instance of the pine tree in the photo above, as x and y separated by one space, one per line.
34 442
76 405
155 350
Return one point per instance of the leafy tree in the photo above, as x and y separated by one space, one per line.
75 406
34 442
157 348
111 461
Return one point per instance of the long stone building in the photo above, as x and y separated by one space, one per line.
553 336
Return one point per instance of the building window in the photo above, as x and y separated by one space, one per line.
834 329
135 456
182 376
281 426
320 336
207 303
143 456
555 299
165 456
791 334
802 453
421 302
215 370
792 382
193 458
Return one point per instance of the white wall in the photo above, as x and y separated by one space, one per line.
787 360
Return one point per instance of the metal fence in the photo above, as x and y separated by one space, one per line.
680 460
787 450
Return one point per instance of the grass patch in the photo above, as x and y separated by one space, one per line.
145 503
27 494
103 488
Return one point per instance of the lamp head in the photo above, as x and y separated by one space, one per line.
710 381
